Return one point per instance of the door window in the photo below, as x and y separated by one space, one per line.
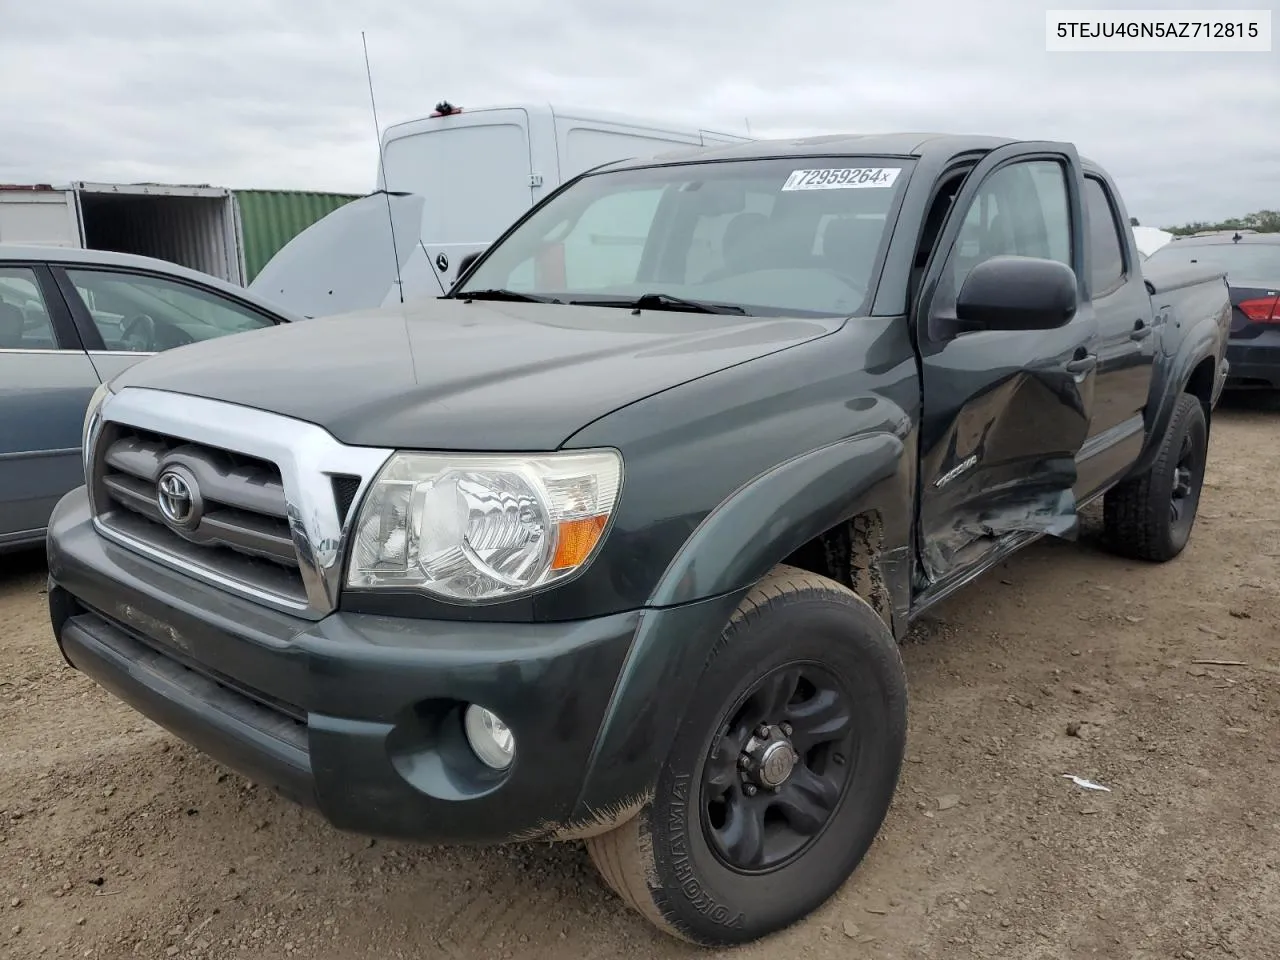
144 314
1021 210
24 318
1108 270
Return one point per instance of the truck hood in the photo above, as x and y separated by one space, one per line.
450 375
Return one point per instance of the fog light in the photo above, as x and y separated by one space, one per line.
489 737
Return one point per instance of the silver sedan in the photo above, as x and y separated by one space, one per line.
69 320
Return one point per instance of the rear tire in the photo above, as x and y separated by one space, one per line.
719 857
1150 516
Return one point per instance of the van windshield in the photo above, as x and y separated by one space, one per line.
796 236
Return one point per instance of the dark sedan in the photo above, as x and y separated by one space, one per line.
1252 264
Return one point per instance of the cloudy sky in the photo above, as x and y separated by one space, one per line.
271 93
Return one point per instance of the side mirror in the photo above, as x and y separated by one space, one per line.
1017 293
467 261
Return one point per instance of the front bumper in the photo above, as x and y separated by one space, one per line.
1255 362
356 715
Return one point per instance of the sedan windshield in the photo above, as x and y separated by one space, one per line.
797 236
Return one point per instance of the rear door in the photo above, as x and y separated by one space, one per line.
475 174
1126 341
1005 413
46 381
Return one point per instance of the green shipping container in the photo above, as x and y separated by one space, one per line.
271 218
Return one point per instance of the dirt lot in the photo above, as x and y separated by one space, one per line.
117 841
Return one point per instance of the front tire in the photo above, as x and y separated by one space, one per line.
1150 516
779 777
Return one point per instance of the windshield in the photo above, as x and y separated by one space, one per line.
1243 262
797 236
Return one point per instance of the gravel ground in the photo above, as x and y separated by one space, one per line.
116 840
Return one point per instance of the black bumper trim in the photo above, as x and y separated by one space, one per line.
232 729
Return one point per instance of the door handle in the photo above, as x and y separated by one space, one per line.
1081 365
1140 330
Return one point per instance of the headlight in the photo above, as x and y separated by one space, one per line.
483 527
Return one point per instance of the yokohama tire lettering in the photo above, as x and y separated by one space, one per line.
681 862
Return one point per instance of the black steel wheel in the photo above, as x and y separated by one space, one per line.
778 767
1188 474
1150 516
781 772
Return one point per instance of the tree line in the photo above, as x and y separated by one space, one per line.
1264 221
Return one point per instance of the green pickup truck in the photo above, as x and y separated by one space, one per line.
616 542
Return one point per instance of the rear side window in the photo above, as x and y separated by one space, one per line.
24 319
1104 239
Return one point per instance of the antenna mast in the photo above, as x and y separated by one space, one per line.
382 165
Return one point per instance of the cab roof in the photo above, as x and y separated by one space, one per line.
935 146
878 144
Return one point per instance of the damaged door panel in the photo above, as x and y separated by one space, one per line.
1005 411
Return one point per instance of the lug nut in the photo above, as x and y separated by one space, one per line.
744 761
763 731
749 789
786 729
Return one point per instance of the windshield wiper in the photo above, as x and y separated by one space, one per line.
665 301
500 294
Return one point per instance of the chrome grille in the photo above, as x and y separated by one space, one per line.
252 502
244 515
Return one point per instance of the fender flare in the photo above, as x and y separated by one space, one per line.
735 545
1193 351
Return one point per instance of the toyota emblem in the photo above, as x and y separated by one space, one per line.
178 498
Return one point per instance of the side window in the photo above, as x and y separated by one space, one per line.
145 314
1020 210
601 249
24 318
1104 239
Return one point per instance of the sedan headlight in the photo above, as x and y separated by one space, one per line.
482 527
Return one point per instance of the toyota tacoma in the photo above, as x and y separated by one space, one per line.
616 541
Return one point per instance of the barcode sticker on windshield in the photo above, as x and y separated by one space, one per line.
842 179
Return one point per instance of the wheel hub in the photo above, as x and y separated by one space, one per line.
777 768
768 759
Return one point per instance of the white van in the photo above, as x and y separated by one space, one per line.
450 183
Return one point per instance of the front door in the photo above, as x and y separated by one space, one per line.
1004 412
